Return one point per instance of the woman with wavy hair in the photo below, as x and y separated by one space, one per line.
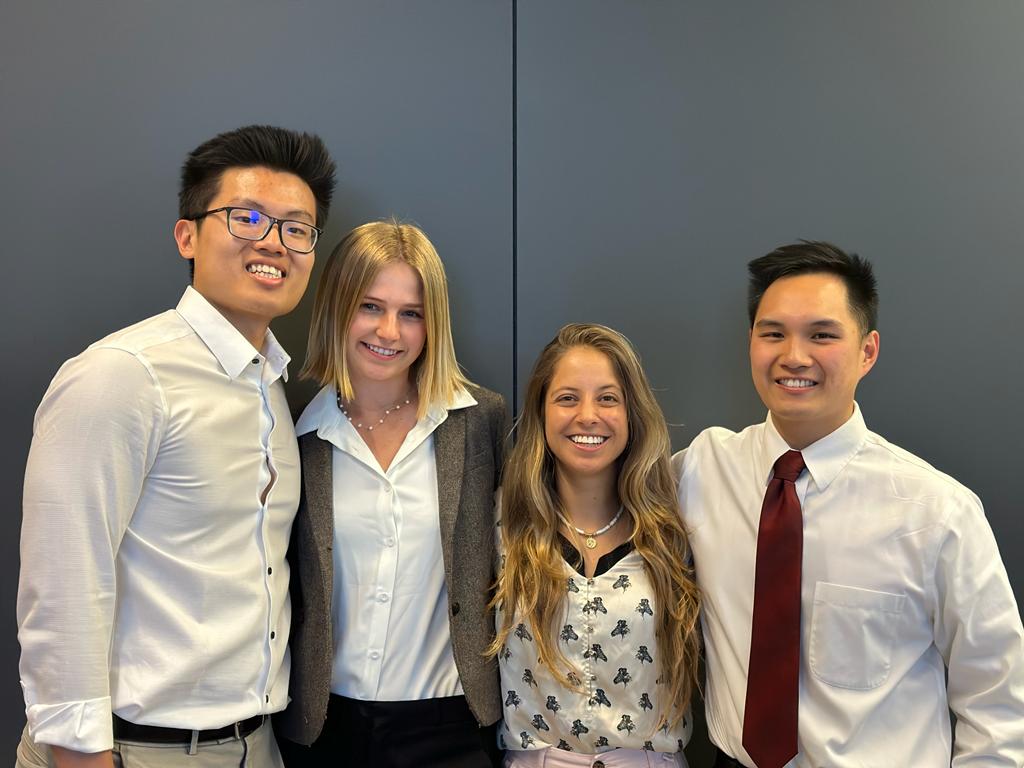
392 550
597 637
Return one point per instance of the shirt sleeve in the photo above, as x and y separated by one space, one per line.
678 460
978 631
95 436
686 468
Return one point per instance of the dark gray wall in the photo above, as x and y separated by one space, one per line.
662 145
658 145
101 102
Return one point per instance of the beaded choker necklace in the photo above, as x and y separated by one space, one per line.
369 428
591 540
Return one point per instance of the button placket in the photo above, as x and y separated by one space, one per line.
387 503
587 635
262 378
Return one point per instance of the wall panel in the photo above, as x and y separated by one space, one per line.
662 145
659 146
103 101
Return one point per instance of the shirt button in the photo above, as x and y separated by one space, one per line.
389 541
388 489
255 361
273 635
374 655
268 698
269 570
597 764
382 597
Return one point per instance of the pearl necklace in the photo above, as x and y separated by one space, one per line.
591 540
359 425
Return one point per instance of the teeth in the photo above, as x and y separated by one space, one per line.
588 439
383 350
265 269
796 383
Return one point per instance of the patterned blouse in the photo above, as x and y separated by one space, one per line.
608 634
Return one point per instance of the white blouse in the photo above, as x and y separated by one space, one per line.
390 594
608 634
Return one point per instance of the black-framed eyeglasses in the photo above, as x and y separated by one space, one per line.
250 224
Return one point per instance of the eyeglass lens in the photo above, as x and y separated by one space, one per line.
255 225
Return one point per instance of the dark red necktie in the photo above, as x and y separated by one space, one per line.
773 676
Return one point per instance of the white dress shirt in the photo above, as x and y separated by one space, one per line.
390 598
153 578
607 633
901 580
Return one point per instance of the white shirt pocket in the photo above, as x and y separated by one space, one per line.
852 635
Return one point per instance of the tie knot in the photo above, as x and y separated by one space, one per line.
789 465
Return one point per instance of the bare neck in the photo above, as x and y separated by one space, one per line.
589 501
378 395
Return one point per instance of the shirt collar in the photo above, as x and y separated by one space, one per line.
824 458
461 399
227 344
323 416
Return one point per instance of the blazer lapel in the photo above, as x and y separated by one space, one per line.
318 486
450 458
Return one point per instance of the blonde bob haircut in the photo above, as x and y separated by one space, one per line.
531 586
350 271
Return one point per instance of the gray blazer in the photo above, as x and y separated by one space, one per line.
468 449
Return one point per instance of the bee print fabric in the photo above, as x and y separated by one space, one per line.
608 635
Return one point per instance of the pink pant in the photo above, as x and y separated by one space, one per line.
617 758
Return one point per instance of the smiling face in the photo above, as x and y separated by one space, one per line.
586 426
807 355
388 331
250 282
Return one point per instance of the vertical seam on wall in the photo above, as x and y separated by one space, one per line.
515 221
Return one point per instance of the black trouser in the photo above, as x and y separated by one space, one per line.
722 760
432 733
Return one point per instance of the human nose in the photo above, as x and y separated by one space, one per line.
387 328
587 411
794 354
272 241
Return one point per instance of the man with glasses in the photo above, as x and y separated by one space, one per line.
161 486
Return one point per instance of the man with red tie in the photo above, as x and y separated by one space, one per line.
853 593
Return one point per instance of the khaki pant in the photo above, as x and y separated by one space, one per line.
259 749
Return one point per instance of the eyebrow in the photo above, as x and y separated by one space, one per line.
248 203
602 388
377 300
826 323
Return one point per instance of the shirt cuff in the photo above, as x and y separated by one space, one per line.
84 726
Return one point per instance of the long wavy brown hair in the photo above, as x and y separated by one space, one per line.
531 585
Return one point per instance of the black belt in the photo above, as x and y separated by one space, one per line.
155 734
722 760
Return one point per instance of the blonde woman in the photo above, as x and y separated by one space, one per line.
393 543
597 625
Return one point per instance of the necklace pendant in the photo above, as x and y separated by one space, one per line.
591 542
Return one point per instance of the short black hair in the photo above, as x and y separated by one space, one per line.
817 256
302 154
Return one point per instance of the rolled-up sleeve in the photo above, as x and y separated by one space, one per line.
95 436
